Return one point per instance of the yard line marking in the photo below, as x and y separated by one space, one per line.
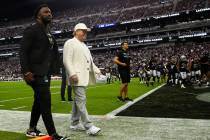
55 86
6 91
55 93
98 86
1 105
18 107
128 104
190 93
2 101
87 88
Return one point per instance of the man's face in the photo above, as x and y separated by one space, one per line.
82 34
45 15
125 45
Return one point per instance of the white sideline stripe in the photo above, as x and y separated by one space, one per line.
19 107
118 110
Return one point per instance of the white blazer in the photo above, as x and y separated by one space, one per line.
78 61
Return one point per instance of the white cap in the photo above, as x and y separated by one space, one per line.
81 26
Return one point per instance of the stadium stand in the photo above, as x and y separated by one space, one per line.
138 22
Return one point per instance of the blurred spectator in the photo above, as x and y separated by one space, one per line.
107 12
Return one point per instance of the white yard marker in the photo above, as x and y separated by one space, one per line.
2 101
18 107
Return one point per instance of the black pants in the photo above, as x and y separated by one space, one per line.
63 89
42 103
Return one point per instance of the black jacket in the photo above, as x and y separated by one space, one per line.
36 54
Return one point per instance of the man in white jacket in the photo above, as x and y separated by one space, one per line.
81 71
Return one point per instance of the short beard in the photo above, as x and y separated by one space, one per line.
46 20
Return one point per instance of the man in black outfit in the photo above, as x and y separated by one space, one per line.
39 58
64 82
205 66
122 59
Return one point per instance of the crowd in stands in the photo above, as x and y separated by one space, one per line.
10 68
108 12
141 55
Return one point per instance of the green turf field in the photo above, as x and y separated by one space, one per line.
101 98
12 136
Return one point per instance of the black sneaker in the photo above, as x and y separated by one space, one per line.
120 98
70 100
35 133
128 99
63 100
57 137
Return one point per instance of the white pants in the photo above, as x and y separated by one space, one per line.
153 72
158 74
79 110
183 75
194 73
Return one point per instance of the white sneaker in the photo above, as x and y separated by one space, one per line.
78 127
93 130
182 86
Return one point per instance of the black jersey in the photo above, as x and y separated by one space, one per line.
152 65
171 67
160 67
195 66
205 59
124 58
183 66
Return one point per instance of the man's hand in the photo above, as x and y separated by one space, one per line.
74 79
98 74
123 64
28 77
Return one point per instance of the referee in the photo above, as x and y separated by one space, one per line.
122 59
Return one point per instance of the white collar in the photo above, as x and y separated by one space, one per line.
78 40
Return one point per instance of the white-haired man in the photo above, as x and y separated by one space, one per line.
81 70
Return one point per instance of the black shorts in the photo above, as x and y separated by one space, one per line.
205 68
125 76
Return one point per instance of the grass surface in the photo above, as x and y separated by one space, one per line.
12 136
101 98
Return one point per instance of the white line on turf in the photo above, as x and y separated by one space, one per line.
1 105
18 107
98 86
190 93
2 101
87 88
128 104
